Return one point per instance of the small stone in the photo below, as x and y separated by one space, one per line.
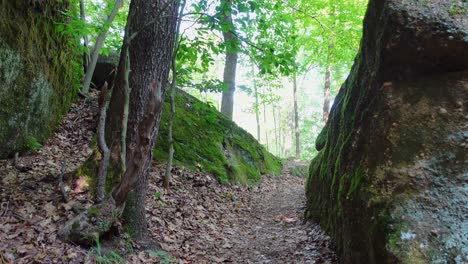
443 111
435 233
459 103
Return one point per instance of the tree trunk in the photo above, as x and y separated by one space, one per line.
229 77
296 118
149 42
257 105
97 47
105 154
167 175
265 123
273 108
85 37
327 88
328 75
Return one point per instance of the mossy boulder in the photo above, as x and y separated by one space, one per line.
390 181
39 70
205 140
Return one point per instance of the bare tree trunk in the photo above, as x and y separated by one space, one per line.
151 53
97 47
101 133
280 133
265 123
328 73
296 118
85 37
257 105
327 88
229 77
167 175
276 129
126 91
150 36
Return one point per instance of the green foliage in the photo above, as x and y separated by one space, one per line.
96 12
93 211
164 256
157 195
110 257
32 143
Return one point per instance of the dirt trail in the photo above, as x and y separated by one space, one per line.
197 221
272 229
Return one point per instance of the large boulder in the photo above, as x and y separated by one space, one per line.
390 182
205 140
39 70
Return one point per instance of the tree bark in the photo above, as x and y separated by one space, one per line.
327 87
149 41
328 75
167 175
273 108
97 47
257 105
85 37
296 118
152 27
229 78
105 154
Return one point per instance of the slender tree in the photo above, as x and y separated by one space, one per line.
257 105
231 43
85 37
98 45
167 175
296 118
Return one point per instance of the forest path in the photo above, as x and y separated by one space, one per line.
272 229
198 221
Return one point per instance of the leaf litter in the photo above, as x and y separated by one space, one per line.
197 221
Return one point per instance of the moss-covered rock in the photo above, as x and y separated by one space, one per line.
205 140
39 70
390 180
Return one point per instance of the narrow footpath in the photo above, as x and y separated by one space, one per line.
273 229
197 221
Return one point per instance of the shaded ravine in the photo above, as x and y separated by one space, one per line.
272 229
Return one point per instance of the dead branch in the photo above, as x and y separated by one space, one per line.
101 185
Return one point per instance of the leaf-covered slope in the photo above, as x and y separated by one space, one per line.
205 140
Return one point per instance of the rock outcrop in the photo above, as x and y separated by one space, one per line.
390 182
205 140
39 69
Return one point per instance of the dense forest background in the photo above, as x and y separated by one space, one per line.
302 45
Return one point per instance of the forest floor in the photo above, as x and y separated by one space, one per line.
197 221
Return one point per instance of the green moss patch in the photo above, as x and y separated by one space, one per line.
39 72
205 140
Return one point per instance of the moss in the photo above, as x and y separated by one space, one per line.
205 140
39 73
93 211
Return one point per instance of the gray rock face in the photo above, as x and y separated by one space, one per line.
38 75
391 180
